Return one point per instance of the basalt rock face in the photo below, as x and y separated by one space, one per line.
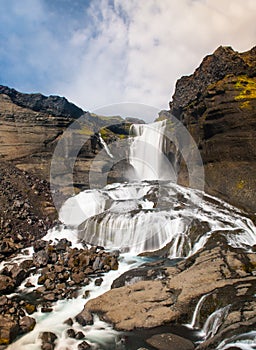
55 105
217 104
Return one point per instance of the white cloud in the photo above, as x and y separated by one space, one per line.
126 51
143 47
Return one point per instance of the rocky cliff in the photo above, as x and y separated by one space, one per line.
32 124
217 103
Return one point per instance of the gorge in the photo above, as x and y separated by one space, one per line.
177 270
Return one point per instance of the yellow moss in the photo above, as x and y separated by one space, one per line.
240 184
246 87
85 131
4 341
245 105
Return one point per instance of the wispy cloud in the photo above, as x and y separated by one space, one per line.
107 51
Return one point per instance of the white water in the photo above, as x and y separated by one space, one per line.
99 333
145 216
214 321
146 152
244 341
106 147
196 313
137 217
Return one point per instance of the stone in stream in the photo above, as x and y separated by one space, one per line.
48 340
79 335
71 333
84 318
98 281
69 322
27 324
170 341
9 330
84 346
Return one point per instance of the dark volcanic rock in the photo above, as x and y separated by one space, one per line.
217 104
58 106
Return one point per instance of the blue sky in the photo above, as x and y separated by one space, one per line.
103 52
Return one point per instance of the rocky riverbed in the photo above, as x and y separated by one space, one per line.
50 272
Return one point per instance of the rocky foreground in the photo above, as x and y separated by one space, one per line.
58 272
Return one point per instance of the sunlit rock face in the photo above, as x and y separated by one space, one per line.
218 106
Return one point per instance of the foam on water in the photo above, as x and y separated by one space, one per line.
100 332
146 216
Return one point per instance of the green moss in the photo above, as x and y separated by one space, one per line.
246 87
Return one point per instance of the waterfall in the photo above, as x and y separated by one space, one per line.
105 146
196 313
145 216
214 321
244 341
146 152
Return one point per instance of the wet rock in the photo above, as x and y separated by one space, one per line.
9 330
170 341
18 274
48 340
50 297
79 335
84 346
46 309
62 245
173 298
39 245
78 277
40 258
98 281
29 285
27 324
69 322
30 308
71 333
84 318
7 284
98 264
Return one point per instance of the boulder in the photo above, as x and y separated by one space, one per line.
9 330
217 269
170 341
40 258
7 284
84 346
48 340
27 324
84 317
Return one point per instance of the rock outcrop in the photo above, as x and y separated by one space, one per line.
222 273
218 106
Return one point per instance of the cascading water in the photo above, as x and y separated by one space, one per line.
134 217
143 216
214 321
105 146
146 152
196 313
